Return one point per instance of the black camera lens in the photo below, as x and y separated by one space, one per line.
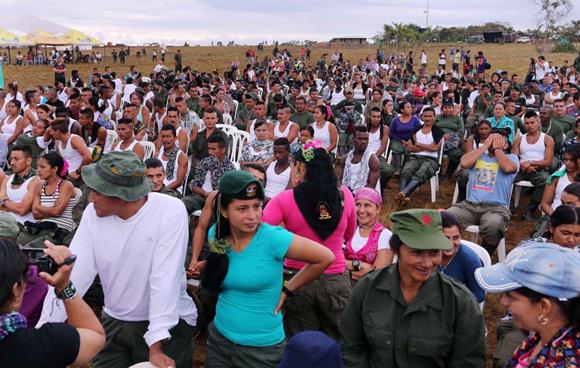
46 264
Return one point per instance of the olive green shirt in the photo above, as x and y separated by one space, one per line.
451 125
555 131
480 107
170 192
303 119
442 327
518 123
243 117
566 122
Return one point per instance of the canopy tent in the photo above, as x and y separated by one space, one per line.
81 40
10 39
42 37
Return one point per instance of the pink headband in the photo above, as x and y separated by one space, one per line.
369 194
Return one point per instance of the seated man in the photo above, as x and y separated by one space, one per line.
278 172
535 151
260 113
173 159
198 146
94 134
422 163
127 141
460 262
36 140
560 117
306 134
208 173
260 150
359 168
156 173
17 190
301 116
492 170
172 118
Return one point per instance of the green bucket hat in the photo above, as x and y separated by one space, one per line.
420 229
118 174
8 226
241 185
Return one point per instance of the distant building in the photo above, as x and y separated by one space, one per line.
349 41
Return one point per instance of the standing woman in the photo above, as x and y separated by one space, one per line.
324 130
369 247
245 268
401 129
540 283
316 208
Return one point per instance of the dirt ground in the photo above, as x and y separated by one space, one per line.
513 57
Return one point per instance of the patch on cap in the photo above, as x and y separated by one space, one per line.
427 220
251 190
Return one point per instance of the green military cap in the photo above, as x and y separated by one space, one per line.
8 226
240 185
118 174
420 229
140 90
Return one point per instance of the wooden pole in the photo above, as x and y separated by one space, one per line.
9 56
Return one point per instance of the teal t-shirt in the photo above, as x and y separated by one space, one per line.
252 287
505 122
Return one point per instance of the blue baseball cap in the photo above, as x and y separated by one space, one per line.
545 268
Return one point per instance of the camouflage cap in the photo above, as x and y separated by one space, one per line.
118 174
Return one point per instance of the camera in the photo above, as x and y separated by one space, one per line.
43 262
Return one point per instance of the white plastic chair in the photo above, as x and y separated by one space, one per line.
518 190
238 139
482 254
474 231
78 193
236 106
434 181
228 119
149 148
226 128
112 137
113 124
143 365
184 185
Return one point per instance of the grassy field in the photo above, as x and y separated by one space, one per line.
511 57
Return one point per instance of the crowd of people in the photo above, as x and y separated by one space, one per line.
268 185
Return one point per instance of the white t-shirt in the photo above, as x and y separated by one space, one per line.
358 242
140 263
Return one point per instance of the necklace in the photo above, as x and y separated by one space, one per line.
367 227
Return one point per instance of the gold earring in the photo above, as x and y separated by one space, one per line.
543 320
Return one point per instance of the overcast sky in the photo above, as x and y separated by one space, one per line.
250 21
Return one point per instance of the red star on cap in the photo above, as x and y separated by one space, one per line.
427 219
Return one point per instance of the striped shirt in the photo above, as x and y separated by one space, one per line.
65 220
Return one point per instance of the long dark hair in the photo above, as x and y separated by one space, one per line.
318 196
563 215
55 160
570 308
13 269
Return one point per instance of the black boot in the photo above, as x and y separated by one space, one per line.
411 187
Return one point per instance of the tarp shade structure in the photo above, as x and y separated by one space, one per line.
41 37
10 39
78 38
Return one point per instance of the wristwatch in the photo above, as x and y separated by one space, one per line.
356 264
287 291
68 293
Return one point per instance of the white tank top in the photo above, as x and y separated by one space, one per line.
129 147
532 152
34 114
374 141
322 134
71 155
17 195
354 170
159 120
276 183
563 182
9 125
284 134
175 167
62 96
425 139
358 94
